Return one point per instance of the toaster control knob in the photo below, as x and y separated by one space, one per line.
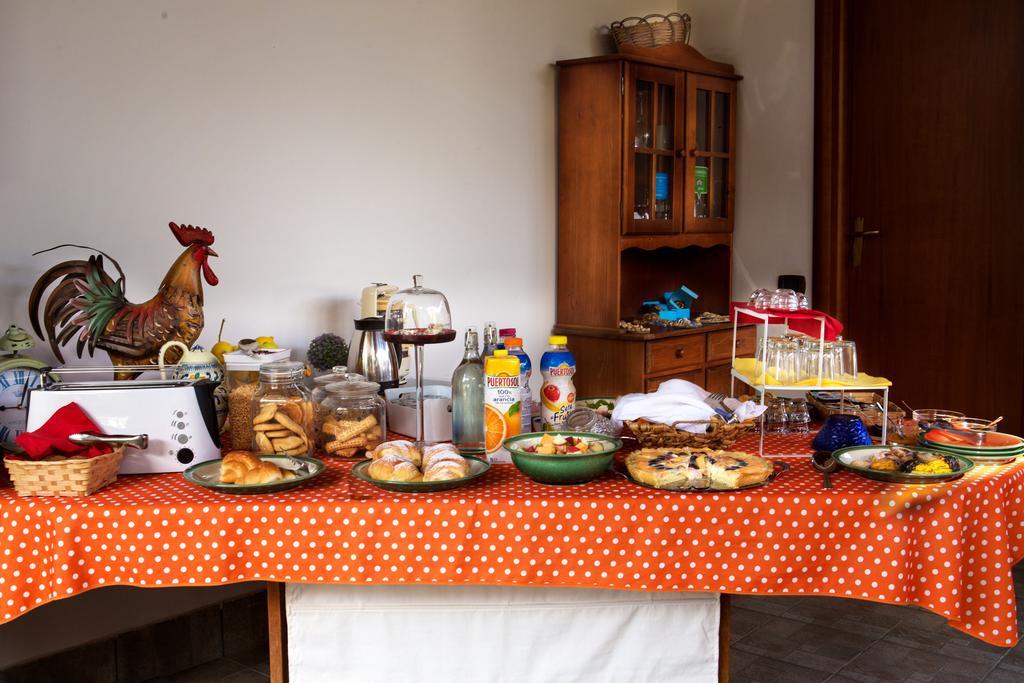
185 456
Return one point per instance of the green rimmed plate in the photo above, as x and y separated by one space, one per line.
561 470
847 456
477 468
207 475
982 457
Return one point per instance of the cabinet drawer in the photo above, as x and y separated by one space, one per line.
679 353
717 379
720 343
695 376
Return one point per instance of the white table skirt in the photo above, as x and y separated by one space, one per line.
491 633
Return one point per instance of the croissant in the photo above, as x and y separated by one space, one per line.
236 464
394 468
445 470
406 450
441 452
265 473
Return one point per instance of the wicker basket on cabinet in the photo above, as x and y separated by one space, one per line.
720 434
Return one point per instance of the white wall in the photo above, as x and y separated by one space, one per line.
771 43
327 145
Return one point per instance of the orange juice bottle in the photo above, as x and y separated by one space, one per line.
502 403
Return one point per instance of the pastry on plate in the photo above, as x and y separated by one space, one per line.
697 468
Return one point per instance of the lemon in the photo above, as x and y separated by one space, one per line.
222 347
266 342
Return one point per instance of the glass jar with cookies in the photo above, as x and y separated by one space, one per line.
282 411
354 419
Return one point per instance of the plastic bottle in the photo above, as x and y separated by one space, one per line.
503 334
468 399
502 403
514 346
557 393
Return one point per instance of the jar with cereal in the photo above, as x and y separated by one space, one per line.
355 419
282 411
242 381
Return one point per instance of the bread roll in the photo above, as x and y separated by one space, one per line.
406 450
394 468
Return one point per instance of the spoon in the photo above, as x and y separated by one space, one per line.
991 424
826 464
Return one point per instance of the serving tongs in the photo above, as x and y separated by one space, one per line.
140 441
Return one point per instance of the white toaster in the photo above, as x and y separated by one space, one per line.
179 417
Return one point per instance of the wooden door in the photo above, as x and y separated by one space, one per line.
936 167
710 153
652 187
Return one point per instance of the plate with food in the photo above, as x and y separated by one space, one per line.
243 472
408 467
975 440
903 464
562 457
696 470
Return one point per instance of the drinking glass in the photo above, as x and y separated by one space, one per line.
846 353
785 299
802 303
776 416
798 416
761 298
782 360
810 358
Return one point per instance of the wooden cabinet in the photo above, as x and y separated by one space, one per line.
609 363
646 177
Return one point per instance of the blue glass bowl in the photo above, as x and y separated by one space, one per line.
841 431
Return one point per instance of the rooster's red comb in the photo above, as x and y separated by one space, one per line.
189 235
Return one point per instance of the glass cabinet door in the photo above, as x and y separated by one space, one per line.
711 141
652 196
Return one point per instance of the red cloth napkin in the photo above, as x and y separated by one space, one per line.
806 322
52 437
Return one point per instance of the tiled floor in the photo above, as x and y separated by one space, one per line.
812 640
807 640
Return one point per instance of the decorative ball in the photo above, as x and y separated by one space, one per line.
327 351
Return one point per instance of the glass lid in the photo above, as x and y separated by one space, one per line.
353 388
418 316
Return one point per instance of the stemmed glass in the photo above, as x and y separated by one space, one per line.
418 316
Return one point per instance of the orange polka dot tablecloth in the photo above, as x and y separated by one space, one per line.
948 548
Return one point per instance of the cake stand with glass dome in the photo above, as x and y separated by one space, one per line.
418 316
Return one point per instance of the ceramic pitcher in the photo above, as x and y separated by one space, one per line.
194 364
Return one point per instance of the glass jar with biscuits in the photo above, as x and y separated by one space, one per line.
282 411
241 381
354 419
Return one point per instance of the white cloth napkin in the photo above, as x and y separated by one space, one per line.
675 400
678 400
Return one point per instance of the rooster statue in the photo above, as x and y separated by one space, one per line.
86 301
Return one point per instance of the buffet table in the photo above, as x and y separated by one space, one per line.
948 548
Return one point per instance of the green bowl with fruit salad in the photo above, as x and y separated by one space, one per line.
569 464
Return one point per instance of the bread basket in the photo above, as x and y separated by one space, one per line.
68 477
720 434
653 30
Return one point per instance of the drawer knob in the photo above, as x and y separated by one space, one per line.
680 353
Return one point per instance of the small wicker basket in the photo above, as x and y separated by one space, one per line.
720 434
654 30
69 477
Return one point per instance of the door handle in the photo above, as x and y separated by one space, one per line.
857 236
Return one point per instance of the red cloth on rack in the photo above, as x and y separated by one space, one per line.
52 437
806 322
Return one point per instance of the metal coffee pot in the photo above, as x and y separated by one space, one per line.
371 355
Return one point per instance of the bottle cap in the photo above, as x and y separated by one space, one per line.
507 332
499 353
513 341
558 340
